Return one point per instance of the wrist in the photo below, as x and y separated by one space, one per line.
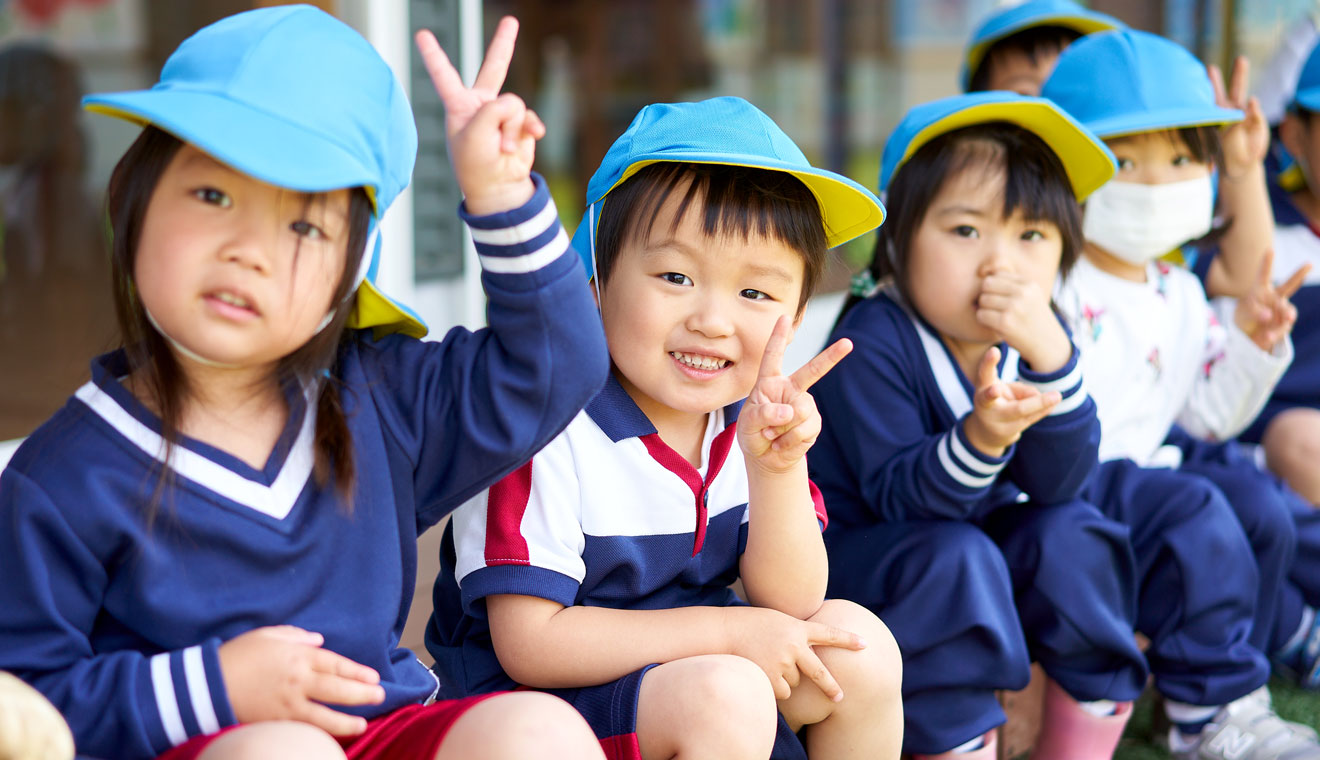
501 198
1050 355
982 439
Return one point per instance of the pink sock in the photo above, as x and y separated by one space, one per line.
1068 732
987 751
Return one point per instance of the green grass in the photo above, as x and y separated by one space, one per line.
1141 743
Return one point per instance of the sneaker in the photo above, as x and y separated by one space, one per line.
1301 664
1247 729
30 727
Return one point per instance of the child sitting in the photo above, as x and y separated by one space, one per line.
1155 353
962 419
1015 48
209 552
601 569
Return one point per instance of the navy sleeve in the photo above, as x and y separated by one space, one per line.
120 704
1056 456
472 407
884 439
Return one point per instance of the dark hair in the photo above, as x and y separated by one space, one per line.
1031 42
1035 183
737 201
312 365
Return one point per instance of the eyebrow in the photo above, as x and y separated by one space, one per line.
677 246
960 209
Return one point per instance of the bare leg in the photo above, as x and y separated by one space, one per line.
1292 450
285 739
520 725
711 706
868 721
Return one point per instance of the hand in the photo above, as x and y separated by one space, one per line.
779 421
1000 410
492 137
1265 314
781 645
281 673
1019 312
1246 142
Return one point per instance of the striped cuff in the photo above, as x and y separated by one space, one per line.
1067 380
964 464
187 692
524 240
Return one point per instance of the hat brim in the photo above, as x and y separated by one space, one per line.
383 315
1082 24
847 209
1087 162
1308 98
1128 124
280 153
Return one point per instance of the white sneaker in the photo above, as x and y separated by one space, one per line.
1248 729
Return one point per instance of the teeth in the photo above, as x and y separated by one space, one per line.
231 299
697 361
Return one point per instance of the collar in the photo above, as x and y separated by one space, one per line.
614 412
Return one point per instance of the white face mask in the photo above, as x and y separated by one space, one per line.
1138 223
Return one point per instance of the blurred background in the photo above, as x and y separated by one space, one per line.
835 74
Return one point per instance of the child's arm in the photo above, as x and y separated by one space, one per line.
1243 194
783 566
134 704
470 408
1247 350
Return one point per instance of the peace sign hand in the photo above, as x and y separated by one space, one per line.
492 137
1265 314
1246 142
1001 410
779 420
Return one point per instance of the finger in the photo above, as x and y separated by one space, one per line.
333 663
332 722
511 129
497 115
995 301
987 373
781 687
495 66
1237 89
821 364
443 74
533 127
1028 406
1255 114
765 418
1293 283
336 690
817 673
1217 83
772 358
294 634
822 635
1000 283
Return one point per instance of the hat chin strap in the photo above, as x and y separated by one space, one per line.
177 346
595 268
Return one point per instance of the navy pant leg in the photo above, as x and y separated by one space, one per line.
1196 581
1259 503
944 591
1305 572
1074 579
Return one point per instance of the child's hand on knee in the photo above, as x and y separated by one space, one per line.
779 421
492 137
1001 411
781 645
282 673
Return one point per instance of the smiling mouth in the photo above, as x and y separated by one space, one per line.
698 361
231 299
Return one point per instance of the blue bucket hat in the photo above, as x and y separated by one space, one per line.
1307 92
1029 15
1087 161
1127 82
293 97
727 131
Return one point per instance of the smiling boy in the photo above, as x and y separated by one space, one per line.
601 569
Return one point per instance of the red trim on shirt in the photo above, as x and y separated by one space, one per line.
818 501
674 462
505 507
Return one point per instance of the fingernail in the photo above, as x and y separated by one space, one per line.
838 697
861 642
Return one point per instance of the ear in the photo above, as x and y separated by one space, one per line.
1292 133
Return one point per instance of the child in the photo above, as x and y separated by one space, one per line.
30 727
1015 48
210 550
1155 353
584 573
963 405
1288 426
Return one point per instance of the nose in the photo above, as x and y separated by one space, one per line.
996 256
710 315
250 241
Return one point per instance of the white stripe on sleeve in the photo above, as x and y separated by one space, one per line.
167 704
194 671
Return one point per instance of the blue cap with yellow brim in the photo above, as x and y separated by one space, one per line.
732 132
1088 163
1029 15
1128 82
295 98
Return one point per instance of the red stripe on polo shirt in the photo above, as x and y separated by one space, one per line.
505 544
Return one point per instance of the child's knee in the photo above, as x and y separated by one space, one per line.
30 727
285 739
721 705
517 725
877 669
1292 449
